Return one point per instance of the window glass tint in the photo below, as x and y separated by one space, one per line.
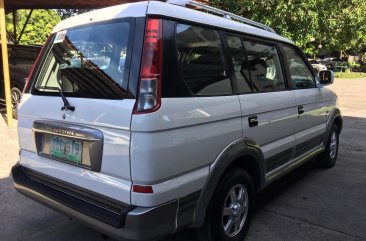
87 62
264 66
201 61
241 67
301 76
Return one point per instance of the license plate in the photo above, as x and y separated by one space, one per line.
66 149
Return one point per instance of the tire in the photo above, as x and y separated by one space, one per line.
16 95
329 157
231 206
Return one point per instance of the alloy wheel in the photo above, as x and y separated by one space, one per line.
235 210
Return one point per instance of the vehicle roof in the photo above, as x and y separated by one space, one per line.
141 9
313 61
137 9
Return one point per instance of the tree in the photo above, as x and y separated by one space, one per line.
336 25
38 28
66 13
351 30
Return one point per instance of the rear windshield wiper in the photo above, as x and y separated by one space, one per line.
67 105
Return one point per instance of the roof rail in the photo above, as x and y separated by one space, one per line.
223 13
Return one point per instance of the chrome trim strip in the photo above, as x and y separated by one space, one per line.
92 140
66 130
77 135
286 168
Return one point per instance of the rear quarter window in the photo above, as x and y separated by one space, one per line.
201 61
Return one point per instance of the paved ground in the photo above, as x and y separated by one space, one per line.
309 204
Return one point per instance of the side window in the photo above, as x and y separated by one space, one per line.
201 61
301 76
264 66
241 67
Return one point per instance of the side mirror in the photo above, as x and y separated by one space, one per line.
326 77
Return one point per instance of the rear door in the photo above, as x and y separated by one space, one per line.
268 105
87 146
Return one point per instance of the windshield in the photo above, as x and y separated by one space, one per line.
87 62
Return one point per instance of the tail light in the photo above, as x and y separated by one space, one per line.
148 99
142 189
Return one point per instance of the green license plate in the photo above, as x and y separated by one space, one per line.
66 149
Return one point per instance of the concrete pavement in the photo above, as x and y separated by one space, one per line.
308 204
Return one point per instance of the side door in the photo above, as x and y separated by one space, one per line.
313 102
269 111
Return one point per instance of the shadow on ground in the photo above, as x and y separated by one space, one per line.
3 111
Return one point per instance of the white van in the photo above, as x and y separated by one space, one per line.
146 118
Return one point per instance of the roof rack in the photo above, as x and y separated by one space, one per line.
223 13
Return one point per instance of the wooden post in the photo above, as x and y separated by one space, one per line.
4 48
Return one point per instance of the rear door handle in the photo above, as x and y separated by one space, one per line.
253 121
300 109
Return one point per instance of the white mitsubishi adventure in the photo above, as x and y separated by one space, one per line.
146 118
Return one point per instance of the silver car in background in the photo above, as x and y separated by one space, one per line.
317 66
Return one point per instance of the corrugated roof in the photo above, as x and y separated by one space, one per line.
68 4
61 4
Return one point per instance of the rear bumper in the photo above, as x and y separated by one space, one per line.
111 217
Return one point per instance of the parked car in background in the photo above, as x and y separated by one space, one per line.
317 66
21 59
335 64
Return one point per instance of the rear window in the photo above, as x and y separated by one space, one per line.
87 62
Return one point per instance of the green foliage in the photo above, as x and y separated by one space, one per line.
352 75
314 25
38 28
353 64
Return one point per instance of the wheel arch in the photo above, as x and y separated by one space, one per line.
339 122
335 117
243 153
